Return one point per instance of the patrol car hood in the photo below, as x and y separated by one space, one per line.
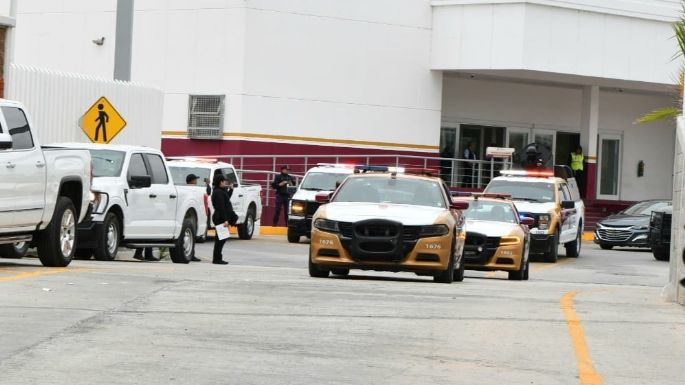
534 207
307 195
405 214
489 228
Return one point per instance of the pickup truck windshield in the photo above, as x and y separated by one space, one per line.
107 163
390 190
179 174
320 181
523 191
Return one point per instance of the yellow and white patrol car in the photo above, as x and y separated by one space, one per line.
552 199
496 237
380 219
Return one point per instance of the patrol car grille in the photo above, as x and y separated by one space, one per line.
479 248
616 234
409 233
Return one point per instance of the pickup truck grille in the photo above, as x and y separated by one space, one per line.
311 208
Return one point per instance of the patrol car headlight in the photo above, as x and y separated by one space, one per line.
543 222
434 230
327 225
297 208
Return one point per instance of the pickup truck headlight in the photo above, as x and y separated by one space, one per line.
297 208
434 230
327 225
543 222
99 200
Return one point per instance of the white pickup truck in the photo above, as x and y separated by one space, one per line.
44 191
246 199
136 205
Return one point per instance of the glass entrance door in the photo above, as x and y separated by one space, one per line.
609 168
517 138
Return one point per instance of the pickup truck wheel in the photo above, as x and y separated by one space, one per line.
246 230
185 244
293 237
553 254
108 240
573 248
56 244
15 251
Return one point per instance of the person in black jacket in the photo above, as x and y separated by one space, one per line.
280 184
223 213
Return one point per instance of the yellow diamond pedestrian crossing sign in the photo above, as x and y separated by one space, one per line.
101 123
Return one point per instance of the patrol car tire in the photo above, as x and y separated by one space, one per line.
553 254
293 237
447 276
573 248
315 271
606 247
459 272
341 272
521 274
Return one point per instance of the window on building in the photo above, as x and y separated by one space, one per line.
206 116
18 127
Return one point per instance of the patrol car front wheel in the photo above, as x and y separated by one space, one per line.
315 271
447 276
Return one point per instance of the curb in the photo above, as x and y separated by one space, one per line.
588 236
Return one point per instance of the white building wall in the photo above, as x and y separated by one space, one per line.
541 36
509 104
342 70
59 35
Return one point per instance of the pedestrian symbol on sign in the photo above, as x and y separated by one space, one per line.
101 123
102 120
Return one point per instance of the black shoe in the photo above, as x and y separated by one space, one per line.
138 256
195 259
221 263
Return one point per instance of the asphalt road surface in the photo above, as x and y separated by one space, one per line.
598 319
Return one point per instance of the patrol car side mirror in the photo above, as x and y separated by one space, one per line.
459 205
5 141
528 221
323 197
568 205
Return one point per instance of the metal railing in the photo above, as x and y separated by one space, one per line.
457 173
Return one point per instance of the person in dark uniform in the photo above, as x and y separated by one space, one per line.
469 167
223 213
280 184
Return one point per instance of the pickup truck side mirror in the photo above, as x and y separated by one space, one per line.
568 205
139 181
5 141
323 197
527 221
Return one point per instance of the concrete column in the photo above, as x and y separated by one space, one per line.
588 138
124 40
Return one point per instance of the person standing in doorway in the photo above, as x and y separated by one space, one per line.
223 213
469 167
280 184
577 160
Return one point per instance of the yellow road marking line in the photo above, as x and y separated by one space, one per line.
547 266
38 273
586 371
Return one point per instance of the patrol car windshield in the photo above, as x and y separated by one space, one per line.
646 208
179 174
107 163
321 181
523 191
391 190
490 211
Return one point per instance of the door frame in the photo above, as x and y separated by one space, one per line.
601 137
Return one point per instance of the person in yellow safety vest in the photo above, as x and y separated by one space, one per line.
577 160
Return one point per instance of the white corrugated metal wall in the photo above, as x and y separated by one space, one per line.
56 101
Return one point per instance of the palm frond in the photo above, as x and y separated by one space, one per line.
664 113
